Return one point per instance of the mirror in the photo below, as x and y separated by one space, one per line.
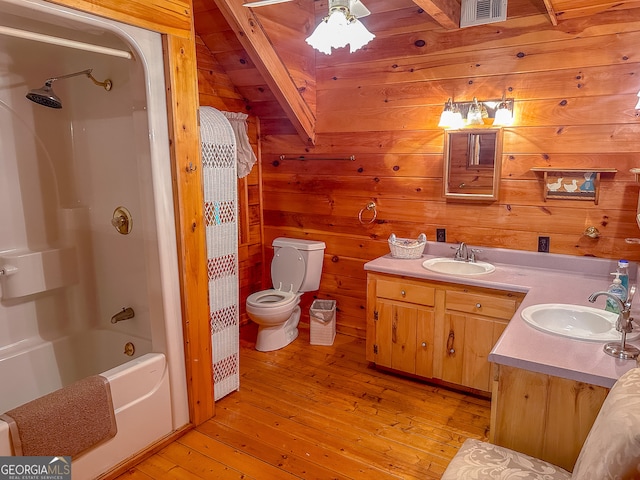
472 163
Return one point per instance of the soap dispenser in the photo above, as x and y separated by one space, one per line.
623 268
619 291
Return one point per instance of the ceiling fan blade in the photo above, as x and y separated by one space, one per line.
262 3
358 10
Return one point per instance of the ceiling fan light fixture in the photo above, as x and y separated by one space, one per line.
341 27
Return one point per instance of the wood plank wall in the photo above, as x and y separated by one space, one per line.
216 90
575 87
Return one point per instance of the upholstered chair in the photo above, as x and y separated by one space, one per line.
611 450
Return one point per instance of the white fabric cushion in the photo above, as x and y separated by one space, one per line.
477 460
612 448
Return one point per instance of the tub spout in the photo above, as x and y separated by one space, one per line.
125 314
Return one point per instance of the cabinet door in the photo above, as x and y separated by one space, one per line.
396 336
562 413
454 333
469 340
425 332
481 334
404 337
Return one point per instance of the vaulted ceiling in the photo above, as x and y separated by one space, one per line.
264 53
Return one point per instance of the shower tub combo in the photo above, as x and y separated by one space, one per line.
88 268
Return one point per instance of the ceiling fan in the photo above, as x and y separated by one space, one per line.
356 7
338 29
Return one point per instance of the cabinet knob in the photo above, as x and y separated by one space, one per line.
403 293
478 305
424 344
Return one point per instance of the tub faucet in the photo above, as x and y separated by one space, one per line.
623 325
125 314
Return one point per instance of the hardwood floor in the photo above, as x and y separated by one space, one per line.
321 412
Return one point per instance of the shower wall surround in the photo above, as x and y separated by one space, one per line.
63 174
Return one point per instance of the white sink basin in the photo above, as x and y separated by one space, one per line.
575 321
457 267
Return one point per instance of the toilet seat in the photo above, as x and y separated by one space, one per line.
271 298
287 274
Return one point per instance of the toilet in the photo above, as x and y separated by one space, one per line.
295 269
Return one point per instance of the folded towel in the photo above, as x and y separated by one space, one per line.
65 422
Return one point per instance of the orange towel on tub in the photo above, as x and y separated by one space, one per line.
65 422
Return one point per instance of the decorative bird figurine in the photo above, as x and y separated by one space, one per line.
573 187
555 186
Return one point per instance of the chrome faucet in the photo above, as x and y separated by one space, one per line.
125 314
465 254
623 325
462 253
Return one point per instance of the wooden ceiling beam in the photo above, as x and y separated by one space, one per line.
552 13
255 41
445 12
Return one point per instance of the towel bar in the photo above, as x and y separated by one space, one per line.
352 158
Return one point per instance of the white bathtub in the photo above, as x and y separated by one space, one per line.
139 387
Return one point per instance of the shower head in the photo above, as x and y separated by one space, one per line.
46 96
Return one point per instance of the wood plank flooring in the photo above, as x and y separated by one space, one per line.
322 412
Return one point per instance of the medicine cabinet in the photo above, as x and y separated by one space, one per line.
472 159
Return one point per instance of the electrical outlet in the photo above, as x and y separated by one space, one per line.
543 244
441 235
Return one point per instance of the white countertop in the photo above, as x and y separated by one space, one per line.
545 278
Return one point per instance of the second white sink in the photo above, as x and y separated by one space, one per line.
575 321
457 267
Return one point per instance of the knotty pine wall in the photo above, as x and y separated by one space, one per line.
575 87
216 90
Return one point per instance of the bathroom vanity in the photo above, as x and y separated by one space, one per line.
467 331
436 330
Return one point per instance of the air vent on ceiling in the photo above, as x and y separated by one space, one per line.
479 12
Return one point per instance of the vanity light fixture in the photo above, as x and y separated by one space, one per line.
476 113
504 113
341 27
446 117
451 116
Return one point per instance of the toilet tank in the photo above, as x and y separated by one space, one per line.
312 252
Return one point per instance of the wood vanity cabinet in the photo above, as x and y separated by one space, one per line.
473 322
541 415
404 326
436 330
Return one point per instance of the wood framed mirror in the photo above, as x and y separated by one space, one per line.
472 159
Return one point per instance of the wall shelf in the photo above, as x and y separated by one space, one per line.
572 183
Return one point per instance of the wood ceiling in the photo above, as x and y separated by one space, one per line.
263 50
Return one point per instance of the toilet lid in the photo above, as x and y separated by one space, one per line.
287 269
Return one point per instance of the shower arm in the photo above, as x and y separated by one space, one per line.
106 84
